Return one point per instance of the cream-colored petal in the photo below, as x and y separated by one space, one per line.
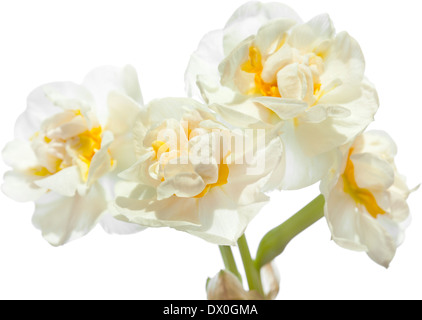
123 112
380 246
343 219
290 82
21 187
304 168
377 142
306 37
204 61
272 35
223 221
65 182
283 107
248 18
371 172
147 211
48 100
183 185
344 60
19 155
170 108
276 62
231 74
105 79
62 219
114 226
246 115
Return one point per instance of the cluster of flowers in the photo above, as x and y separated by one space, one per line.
273 103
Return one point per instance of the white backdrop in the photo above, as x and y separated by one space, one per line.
44 41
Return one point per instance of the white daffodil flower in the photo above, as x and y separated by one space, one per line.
69 139
306 82
366 207
191 176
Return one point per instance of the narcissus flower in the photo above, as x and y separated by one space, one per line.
268 69
69 139
191 176
366 207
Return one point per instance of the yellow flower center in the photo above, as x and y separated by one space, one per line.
254 65
77 150
86 145
360 195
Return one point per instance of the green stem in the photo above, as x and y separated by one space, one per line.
274 242
229 262
252 274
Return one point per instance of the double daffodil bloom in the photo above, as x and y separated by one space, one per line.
191 175
366 207
67 144
302 81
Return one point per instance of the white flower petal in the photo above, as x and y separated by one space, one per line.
372 172
284 108
313 115
62 219
303 169
122 113
65 182
103 80
377 142
248 18
19 155
344 60
244 115
381 247
137 172
182 185
21 187
222 220
47 100
204 61
146 211
292 82
342 218
272 34
170 108
113 226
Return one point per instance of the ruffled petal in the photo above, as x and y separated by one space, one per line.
21 187
344 60
342 218
248 18
62 219
223 221
47 100
19 155
204 61
380 246
371 172
302 168
103 80
182 185
65 182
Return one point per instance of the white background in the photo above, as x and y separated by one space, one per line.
43 41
